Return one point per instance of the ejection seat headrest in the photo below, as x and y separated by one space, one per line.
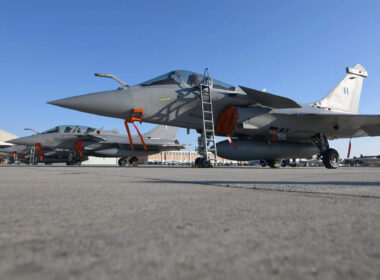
194 80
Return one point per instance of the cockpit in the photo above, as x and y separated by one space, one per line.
70 129
183 76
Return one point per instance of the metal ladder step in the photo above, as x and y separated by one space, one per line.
208 131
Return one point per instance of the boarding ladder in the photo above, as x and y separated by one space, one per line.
206 142
32 157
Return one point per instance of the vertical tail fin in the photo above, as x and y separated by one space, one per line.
163 132
345 97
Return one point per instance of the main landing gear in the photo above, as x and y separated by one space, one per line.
274 163
330 157
122 161
133 161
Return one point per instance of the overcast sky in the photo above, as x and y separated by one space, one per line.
299 49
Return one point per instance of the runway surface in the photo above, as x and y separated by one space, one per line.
87 222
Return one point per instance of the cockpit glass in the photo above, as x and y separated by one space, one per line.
220 85
191 78
52 130
170 78
70 129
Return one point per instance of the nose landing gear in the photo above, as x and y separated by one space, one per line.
202 162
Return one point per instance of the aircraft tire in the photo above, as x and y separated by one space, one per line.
274 163
263 163
134 161
198 161
122 161
205 163
331 159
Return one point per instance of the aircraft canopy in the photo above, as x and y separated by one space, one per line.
70 129
187 77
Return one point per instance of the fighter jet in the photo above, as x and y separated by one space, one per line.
362 161
13 153
79 142
29 155
259 125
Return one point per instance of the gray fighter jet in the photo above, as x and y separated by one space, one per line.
14 153
79 142
28 155
259 125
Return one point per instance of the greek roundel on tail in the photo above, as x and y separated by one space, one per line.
345 97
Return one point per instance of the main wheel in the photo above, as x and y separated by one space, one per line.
274 163
263 163
331 159
122 161
134 161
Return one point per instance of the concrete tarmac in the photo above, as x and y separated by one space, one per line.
88 222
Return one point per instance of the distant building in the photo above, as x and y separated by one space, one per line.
100 161
179 156
163 157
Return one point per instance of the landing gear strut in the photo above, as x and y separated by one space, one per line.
273 163
330 157
73 159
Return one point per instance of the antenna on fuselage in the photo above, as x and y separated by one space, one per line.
112 77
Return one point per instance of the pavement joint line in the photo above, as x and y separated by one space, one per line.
262 189
205 183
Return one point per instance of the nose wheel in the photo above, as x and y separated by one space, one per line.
202 162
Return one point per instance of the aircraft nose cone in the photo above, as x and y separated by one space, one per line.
116 103
28 141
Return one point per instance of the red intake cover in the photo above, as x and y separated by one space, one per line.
227 121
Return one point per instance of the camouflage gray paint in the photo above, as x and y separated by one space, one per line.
173 99
99 142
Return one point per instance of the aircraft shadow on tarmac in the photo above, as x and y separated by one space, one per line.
231 183
263 186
